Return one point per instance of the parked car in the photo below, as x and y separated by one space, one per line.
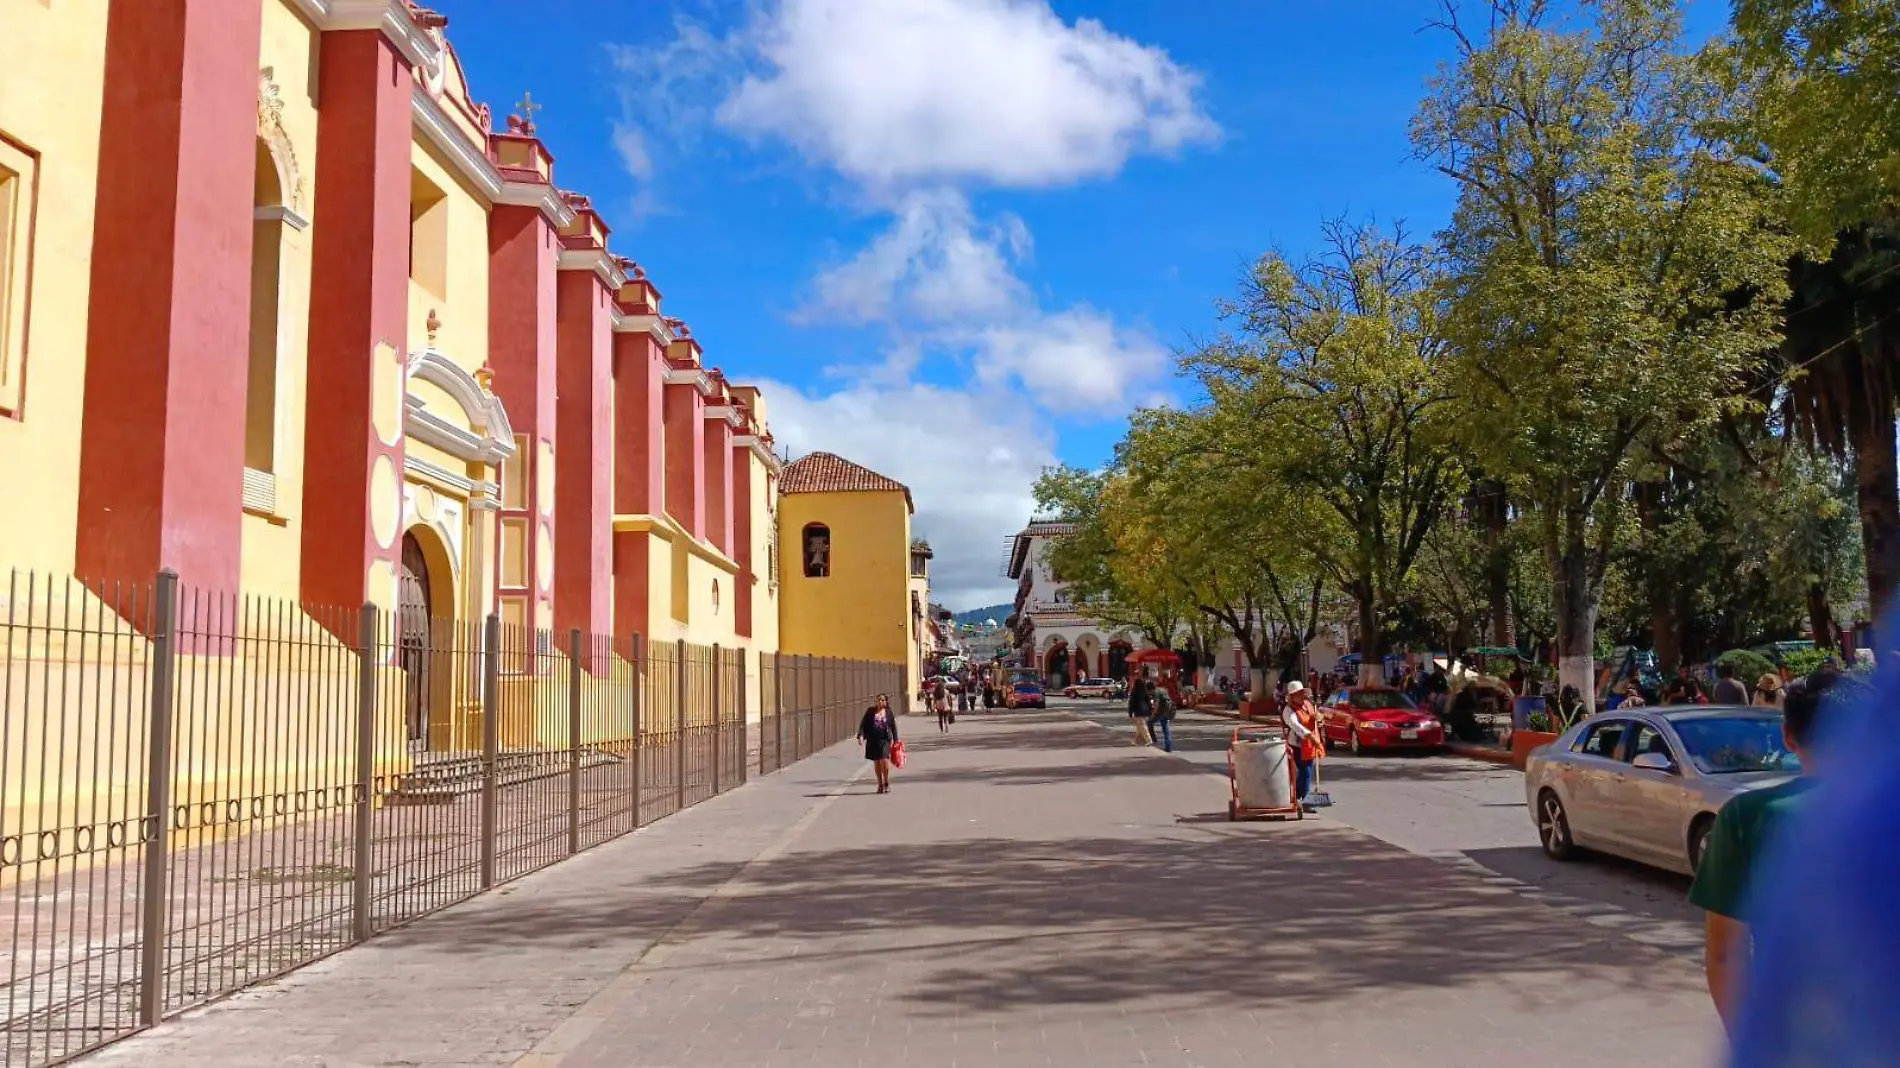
1377 717
1646 783
1025 695
1091 688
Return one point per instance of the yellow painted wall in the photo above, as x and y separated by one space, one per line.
52 74
272 542
862 609
765 603
462 307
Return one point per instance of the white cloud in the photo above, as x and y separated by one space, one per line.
630 144
936 263
914 104
1078 361
901 92
969 459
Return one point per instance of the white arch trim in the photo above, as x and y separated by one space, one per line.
490 439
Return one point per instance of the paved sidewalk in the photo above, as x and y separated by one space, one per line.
1035 891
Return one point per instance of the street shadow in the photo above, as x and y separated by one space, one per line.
1423 768
1048 774
1226 917
1596 878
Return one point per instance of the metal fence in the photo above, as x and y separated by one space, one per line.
199 792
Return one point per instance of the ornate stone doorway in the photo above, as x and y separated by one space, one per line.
415 611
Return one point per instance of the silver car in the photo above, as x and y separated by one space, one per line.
1646 783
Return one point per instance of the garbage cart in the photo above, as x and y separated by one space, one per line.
1261 773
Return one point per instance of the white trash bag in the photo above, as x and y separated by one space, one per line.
1261 777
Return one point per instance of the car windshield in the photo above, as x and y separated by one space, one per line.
1380 700
1720 745
1027 686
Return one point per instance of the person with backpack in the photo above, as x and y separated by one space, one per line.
1161 713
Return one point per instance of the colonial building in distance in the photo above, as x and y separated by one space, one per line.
851 577
1055 636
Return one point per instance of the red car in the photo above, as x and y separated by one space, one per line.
1374 717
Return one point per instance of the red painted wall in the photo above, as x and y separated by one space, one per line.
740 457
632 597
718 485
522 256
162 435
583 481
639 420
359 290
686 457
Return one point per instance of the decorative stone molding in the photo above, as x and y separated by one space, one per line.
491 439
762 449
690 376
596 260
642 324
282 214
270 128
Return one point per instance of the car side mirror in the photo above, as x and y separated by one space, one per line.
1653 762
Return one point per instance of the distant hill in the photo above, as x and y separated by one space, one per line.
998 612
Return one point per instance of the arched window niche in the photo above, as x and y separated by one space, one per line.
815 550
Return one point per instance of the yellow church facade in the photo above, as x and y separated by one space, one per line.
287 313
280 309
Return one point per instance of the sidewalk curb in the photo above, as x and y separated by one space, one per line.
1479 752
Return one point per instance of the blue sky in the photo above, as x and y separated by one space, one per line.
958 240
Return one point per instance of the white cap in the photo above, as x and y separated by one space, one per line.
1296 686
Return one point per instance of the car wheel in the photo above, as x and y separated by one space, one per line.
1553 827
1352 740
1699 839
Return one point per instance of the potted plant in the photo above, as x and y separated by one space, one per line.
1538 730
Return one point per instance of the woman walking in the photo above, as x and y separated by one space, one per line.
1140 707
878 731
940 704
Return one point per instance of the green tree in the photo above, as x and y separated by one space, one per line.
1823 81
1335 382
1615 267
1238 539
1827 106
1114 559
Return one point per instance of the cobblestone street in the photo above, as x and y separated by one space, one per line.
1034 891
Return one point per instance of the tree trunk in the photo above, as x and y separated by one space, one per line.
1576 611
1821 617
1877 491
1665 631
1371 641
1497 562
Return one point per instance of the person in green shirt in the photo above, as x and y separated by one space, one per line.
1739 838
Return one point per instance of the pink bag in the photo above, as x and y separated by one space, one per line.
897 754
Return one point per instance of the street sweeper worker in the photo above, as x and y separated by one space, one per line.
1301 717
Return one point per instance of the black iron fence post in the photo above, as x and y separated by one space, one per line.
491 746
679 702
718 716
637 746
361 854
574 676
154 905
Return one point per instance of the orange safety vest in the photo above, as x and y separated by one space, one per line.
1311 748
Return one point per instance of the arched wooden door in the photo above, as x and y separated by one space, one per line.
414 610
